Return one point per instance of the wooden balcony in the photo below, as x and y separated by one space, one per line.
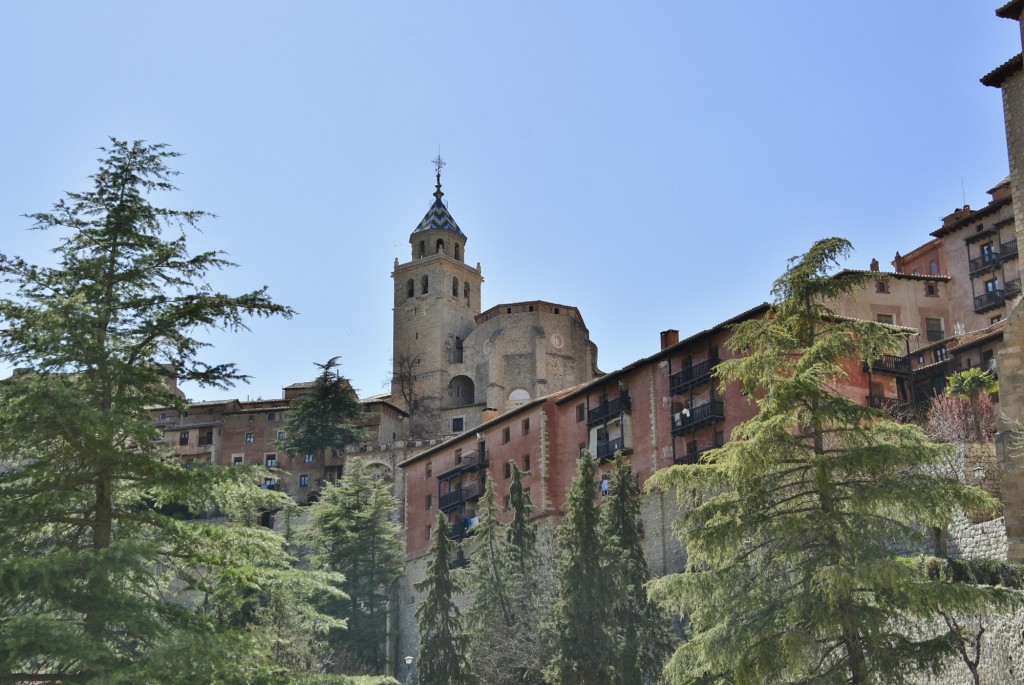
692 376
607 449
891 364
453 498
609 408
470 461
700 415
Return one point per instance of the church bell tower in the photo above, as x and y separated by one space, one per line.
437 297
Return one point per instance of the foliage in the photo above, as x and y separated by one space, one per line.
645 637
324 420
442 657
955 419
801 506
421 407
98 583
353 533
582 631
510 602
973 385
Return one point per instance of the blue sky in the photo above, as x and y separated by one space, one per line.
653 164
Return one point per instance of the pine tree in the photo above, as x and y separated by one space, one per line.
98 581
352 532
510 602
582 631
645 631
442 653
323 421
790 527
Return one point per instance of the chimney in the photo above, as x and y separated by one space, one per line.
874 265
489 413
669 338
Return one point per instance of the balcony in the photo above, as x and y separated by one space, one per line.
454 498
607 449
1008 250
695 451
990 299
470 461
608 408
890 405
695 417
891 364
692 376
983 263
460 560
462 528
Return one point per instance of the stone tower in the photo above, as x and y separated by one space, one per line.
437 296
1009 77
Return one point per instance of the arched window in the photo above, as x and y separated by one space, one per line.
460 391
457 355
423 248
458 252
465 291
439 246
518 397
424 284
410 288
455 287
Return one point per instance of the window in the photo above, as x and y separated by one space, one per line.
992 285
308 458
237 461
424 284
183 438
933 266
526 463
508 470
430 468
940 354
423 248
280 435
458 424
248 438
916 271
427 535
885 318
271 416
581 412
934 329
205 438
465 290
304 480
430 501
455 287
270 484
931 290
881 287
526 426
163 416
439 246
506 435
458 252
457 356
410 288
271 461
582 448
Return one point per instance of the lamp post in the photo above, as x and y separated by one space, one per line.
409 675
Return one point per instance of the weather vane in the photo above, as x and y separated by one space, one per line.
438 163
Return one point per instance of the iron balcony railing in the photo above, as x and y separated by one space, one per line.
989 299
609 408
1012 288
1008 250
470 461
935 334
693 418
891 364
985 261
694 452
692 376
607 449
453 498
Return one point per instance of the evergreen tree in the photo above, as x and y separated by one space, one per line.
510 603
789 528
582 631
353 533
98 581
645 630
323 421
442 652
